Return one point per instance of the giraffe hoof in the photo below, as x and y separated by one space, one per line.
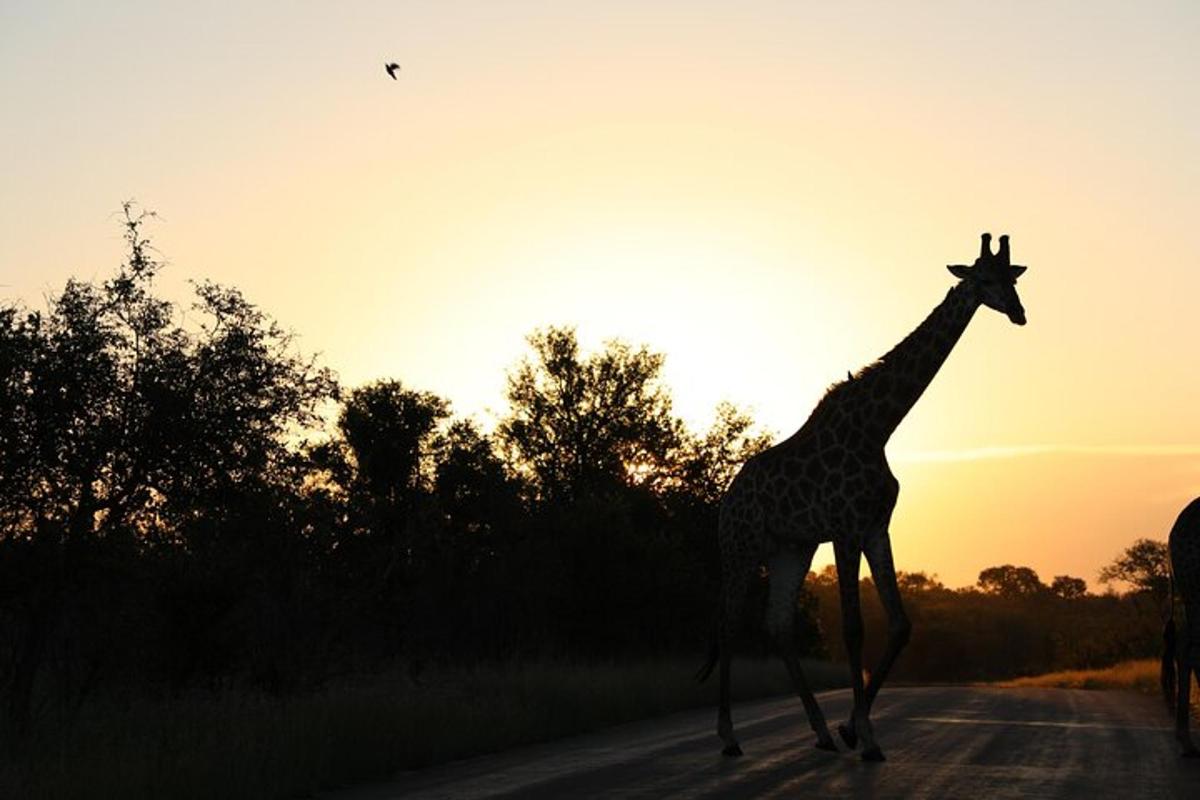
873 754
826 744
732 750
849 736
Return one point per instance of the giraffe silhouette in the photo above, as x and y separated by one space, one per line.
830 482
1181 656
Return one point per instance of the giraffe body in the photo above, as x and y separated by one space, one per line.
830 482
1184 649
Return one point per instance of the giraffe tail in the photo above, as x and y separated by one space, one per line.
714 653
1167 675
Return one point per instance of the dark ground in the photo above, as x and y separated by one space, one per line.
941 742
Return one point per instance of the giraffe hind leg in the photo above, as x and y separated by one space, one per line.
733 595
724 712
787 571
724 716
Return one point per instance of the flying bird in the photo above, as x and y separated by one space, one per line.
392 69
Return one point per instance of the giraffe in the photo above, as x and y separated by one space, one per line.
1181 658
830 482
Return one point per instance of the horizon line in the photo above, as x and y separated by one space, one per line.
1025 450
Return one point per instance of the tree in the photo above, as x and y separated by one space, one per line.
1068 588
383 464
1143 565
707 463
1010 581
915 582
117 417
472 485
127 437
390 433
580 424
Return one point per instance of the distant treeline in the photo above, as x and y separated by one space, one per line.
186 501
1001 629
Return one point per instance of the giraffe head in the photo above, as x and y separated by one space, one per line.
994 279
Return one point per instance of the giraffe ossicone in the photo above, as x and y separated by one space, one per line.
830 482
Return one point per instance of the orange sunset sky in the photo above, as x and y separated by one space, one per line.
767 192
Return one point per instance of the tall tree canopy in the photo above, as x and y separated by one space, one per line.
389 431
577 424
114 416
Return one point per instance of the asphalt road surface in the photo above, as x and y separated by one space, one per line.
940 742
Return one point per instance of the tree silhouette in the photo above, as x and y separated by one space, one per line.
1068 588
389 431
914 582
472 485
117 416
1143 565
129 439
578 424
708 462
1010 581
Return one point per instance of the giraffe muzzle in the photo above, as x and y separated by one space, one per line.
1017 316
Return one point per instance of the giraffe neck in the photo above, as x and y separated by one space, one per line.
892 386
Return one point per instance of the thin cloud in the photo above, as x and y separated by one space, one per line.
1021 451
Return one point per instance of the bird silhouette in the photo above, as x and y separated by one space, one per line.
392 69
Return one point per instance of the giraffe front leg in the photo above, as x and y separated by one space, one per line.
848 559
883 574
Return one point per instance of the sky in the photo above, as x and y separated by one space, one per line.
766 192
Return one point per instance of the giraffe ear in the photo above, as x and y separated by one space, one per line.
959 270
1017 271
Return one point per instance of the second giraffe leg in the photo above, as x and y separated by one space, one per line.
787 570
1186 662
883 574
848 560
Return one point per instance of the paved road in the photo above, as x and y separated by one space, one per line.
941 742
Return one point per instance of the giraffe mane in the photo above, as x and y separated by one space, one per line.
835 389
868 371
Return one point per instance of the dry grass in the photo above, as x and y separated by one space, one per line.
1137 676
239 744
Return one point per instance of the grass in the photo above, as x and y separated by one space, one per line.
1136 676
239 744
